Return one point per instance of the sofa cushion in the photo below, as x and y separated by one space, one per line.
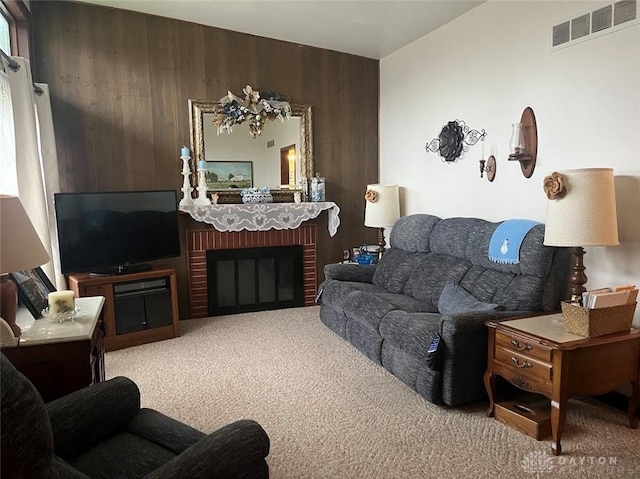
335 292
464 238
455 299
411 332
514 292
394 269
427 281
411 233
407 303
367 308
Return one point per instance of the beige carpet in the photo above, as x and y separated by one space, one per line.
331 413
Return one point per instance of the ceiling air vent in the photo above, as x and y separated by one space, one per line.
583 26
625 11
561 33
271 143
580 27
601 19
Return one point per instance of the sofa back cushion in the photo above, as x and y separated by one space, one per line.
409 241
412 233
428 252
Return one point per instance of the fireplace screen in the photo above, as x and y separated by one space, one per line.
254 279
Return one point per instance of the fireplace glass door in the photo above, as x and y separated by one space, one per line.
254 279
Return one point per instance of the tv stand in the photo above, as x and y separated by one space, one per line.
140 307
123 269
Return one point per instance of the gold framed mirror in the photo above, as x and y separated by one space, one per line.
267 151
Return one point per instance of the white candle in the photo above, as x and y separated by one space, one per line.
61 302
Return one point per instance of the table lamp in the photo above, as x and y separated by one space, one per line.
20 249
581 211
382 208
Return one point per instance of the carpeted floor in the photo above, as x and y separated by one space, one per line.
332 413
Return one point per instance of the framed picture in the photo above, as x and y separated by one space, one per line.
222 175
33 289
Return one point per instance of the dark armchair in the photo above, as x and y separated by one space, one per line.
101 432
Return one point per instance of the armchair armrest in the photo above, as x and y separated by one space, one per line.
85 417
236 450
350 272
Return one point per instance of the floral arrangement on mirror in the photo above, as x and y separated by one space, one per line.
257 107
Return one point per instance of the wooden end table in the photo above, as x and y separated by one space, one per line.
59 358
536 354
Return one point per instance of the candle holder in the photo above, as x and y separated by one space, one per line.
186 200
202 199
523 145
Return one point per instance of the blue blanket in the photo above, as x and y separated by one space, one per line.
506 240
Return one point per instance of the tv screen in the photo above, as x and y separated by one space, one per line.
114 232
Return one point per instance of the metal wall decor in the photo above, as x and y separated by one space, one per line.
454 140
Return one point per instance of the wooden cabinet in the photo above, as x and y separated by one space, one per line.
537 355
139 307
59 358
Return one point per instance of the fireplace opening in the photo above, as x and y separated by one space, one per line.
254 279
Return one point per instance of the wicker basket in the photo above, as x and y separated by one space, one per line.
597 322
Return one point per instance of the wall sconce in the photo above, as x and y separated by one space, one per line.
523 145
488 166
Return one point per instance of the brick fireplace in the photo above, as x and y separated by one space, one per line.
202 240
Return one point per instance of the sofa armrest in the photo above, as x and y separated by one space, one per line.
464 358
361 273
86 417
473 321
236 450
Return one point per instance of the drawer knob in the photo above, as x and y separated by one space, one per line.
524 365
524 347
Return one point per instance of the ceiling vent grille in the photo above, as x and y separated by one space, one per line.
587 25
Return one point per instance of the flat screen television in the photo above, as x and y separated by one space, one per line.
116 232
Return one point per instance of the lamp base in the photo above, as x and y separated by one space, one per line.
578 277
9 303
381 243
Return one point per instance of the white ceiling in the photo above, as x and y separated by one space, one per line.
372 29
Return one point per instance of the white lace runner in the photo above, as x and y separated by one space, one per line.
263 216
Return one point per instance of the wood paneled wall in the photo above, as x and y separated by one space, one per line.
120 82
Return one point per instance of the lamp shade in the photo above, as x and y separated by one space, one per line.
20 245
586 214
384 210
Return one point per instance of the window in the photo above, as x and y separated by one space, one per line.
5 36
15 20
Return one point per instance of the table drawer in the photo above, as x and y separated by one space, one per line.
512 342
523 364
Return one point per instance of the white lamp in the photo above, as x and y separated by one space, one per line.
581 211
382 208
20 248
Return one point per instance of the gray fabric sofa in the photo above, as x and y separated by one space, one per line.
390 311
101 432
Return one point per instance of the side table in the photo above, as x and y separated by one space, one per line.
59 358
536 354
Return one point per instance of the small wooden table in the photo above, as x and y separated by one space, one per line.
536 354
59 358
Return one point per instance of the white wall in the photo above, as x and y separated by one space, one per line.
485 68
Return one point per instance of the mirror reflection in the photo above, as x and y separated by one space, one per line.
282 156
273 154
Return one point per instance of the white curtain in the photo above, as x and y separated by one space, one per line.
33 176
